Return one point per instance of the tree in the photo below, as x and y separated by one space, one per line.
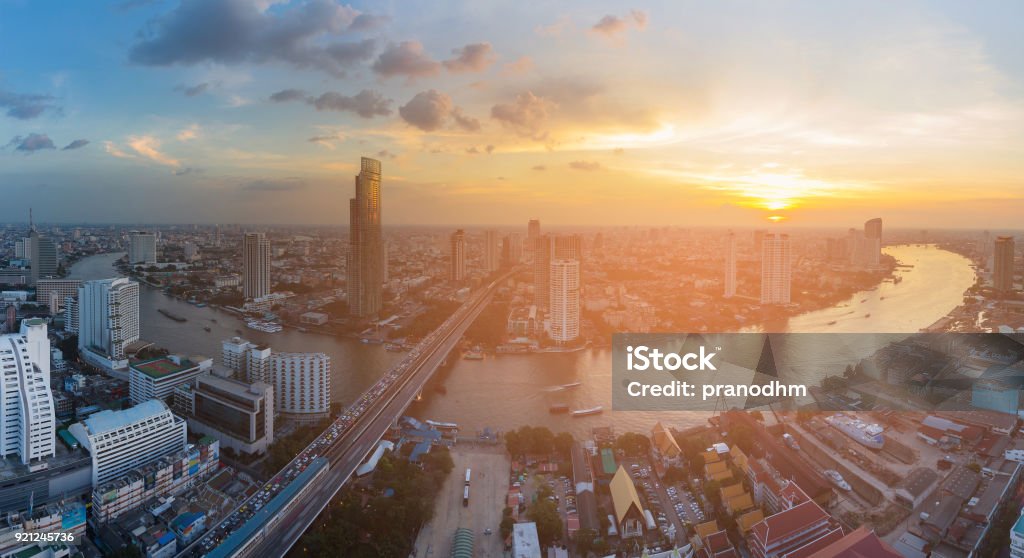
563 444
584 539
633 444
544 513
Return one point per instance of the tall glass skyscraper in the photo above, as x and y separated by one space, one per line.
365 265
255 266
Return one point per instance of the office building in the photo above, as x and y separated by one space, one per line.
191 251
167 476
302 385
238 413
776 274
43 257
255 266
141 248
27 427
565 300
119 441
873 242
730 265
71 314
532 234
1002 265
511 250
54 292
156 378
108 321
492 251
364 268
457 257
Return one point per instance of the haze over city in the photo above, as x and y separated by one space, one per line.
601 113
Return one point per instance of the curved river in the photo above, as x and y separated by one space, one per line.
508 391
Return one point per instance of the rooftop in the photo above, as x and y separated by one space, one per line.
160 367
105 421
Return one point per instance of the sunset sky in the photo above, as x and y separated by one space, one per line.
686 113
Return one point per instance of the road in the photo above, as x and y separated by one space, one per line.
346 455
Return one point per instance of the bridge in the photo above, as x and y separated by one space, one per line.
401 386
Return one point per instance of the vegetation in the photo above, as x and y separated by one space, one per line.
633 444
544 512
285 448
528 439
429 320
384 522
489 328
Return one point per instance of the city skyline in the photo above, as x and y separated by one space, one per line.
912 113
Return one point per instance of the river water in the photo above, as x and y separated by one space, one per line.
508 391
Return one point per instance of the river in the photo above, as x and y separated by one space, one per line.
508 391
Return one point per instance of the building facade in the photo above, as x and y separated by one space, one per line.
120 441
730 265
255 266
492 251
565 300
1002 264
141 248
365 263
43 256
240 414
457 257
302 384
156 378
54 292
108 320
27 414
776 274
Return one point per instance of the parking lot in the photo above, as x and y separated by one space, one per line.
670 505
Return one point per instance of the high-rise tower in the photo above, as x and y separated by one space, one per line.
365 266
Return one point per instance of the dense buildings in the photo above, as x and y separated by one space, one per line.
27 423
141 248
120 441
565 300
240 414
108 320
156 378
167 475
365 263
776 275
255 266
457 257
1002 266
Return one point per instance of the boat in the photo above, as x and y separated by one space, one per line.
586 412
393 347
868 315
473 355
791 441
571 385
174 317
881 298
863 300
558 408
867 435
206 328
837 479
833 322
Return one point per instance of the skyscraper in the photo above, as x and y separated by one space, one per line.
457 263
1002 266
512 249
565 300
730 265
141 248
547 249
532 236
491 251
365 266
776 275
873 242
255 266
108 320
27 426
43 256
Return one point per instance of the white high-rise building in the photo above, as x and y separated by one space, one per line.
492 251
120 441
730 265
776 275
27 424
71 314
302 384
565 300
255 266
108 320
141 248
